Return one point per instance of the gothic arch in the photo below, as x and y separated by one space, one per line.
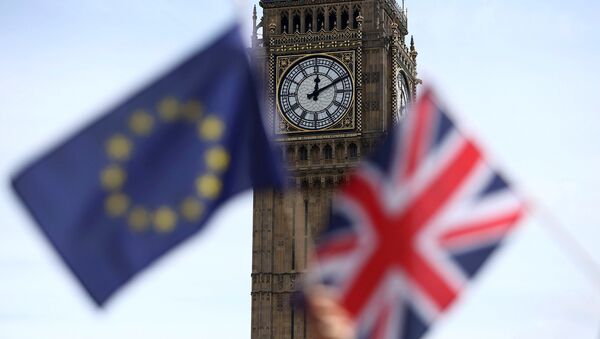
345 17
296 21
320 19
308 20
283 27
332 19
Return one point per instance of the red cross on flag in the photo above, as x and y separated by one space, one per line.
413 225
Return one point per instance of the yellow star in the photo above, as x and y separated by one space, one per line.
168 109
192 111
209 186
211 128
141 123
191 209
116 204
138 219
113 177
118 147
165 219
217 158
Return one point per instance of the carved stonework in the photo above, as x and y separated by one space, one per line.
348 122
367 38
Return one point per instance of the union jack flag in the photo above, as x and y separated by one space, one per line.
413 225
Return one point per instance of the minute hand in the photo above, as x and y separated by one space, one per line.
316 92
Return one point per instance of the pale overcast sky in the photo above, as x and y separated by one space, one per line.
522 75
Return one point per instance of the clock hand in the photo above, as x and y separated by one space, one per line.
317 80
314 95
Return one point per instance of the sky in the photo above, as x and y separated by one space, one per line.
521 76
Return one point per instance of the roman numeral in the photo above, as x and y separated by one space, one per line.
294 106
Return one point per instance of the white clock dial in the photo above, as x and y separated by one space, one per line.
402 96
315 93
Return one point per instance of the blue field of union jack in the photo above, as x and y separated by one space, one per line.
413 224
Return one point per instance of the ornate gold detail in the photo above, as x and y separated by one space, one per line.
346 58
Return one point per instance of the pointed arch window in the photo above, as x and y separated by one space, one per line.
320 19
308 21
355 15
284 23
303 153
332 20
296 22
352 151
327 152
345 18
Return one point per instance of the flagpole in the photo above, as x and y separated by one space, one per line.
569 244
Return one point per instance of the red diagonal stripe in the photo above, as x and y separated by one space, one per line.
362 192
441 189
337 246
383 319
421 130
498 225
367 280
395 236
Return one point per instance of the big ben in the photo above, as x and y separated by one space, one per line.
338 75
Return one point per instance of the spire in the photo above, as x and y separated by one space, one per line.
254 29
413 50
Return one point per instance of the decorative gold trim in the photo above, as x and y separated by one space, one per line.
287 62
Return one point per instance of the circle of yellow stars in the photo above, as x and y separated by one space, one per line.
208 185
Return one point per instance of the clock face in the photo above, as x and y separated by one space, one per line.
403 96
315 93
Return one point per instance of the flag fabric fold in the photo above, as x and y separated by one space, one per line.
151 172
413 225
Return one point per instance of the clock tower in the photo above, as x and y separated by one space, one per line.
338 74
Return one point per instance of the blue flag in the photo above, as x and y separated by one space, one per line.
150 173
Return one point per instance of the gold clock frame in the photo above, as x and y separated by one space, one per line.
283 63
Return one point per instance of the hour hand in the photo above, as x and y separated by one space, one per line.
316 92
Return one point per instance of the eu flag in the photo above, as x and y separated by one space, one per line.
150 173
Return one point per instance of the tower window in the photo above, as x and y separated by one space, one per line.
327 152
289 154
314 153
303 153
332 20
284 23
345 18
339 151
308 19
352 151
355 15
296 22
320 20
